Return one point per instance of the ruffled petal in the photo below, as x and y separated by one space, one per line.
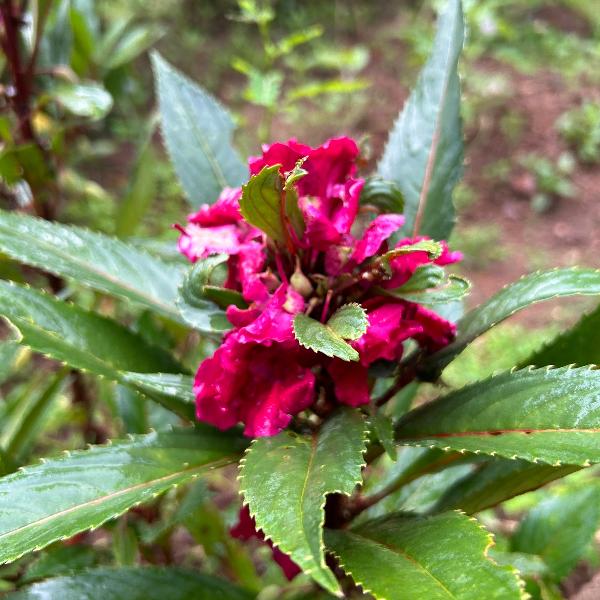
351 382
379 230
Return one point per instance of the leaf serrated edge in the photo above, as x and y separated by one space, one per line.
359 481
98 447
490 543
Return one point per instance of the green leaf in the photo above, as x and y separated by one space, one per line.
63 496
348 322
543 285
285 479
89 100
383 194
454 288
82 339
131 44
261 203
384 430
194 303
134 583
560 528
93 259
197 132
579 345
174 392
424 152
21 428
439 558
434 249
497 480
544 415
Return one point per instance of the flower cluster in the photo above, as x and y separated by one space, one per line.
261 375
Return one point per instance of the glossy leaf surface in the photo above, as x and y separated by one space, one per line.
63 496
284 479
439 558
548 415
82 339
543 285
134 583
98 261
197 131
424 152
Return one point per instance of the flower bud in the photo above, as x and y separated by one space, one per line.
301 283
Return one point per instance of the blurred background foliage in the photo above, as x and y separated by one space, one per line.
87 152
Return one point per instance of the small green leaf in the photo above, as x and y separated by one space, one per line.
439 558
89 100
63 496
452 290
134 583
321 338
425 277
538 415
197 130
285 480
543 285
261 203
560 528
497 480
434 249
194 303
349 321
383 194
98 261
424 152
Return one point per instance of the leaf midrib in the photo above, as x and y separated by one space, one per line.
427 176
102 274
405 554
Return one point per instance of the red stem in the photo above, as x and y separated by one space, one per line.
22 76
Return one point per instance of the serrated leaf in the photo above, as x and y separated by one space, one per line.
261 203
439 558
134 583
82 339
197 131
173 391
319 337
384 429
434 249
195 304
98 261
424 152
452 290
579 345
560 528
544 415
285 480
497 480
543 285
350 321
383 194
63 496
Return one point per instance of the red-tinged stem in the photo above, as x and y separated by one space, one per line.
326 305
280 269
22 76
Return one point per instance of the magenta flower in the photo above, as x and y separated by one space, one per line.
261 375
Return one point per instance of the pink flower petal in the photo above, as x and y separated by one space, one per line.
379 230
351 382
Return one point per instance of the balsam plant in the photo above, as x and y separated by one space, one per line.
323 303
